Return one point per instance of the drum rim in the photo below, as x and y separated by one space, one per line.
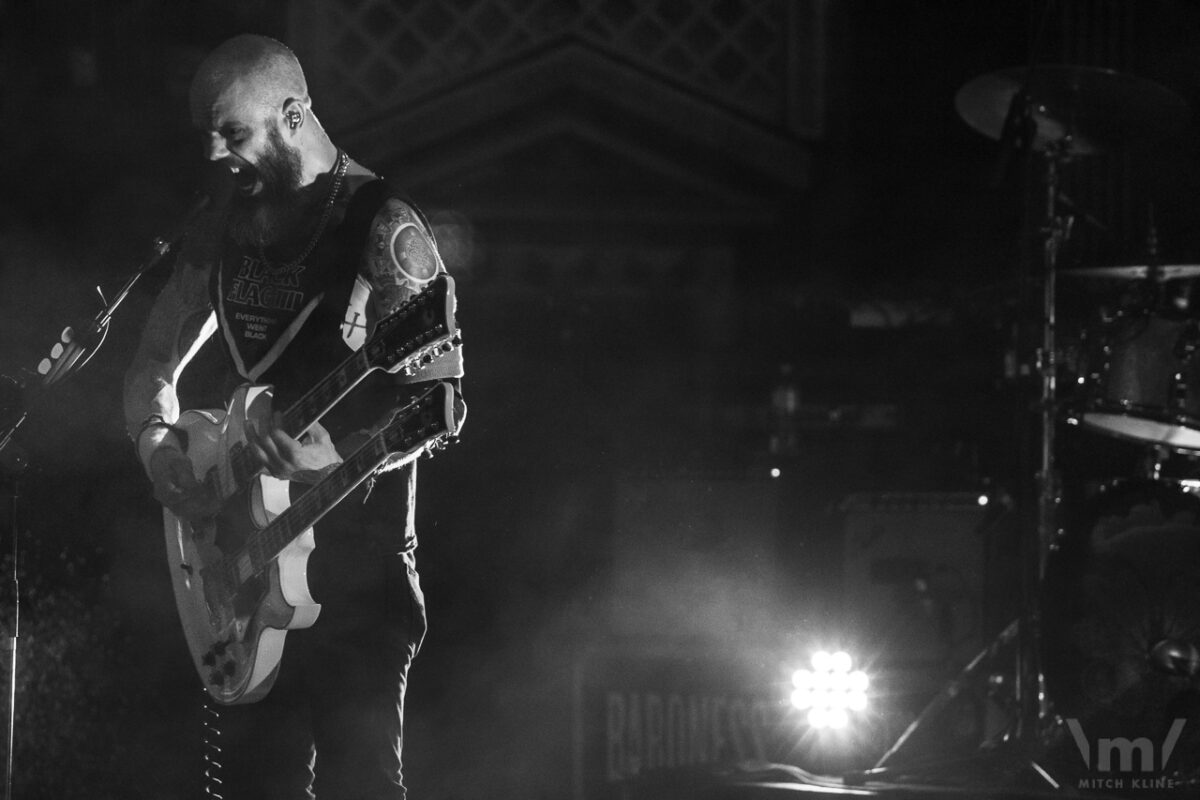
1150 415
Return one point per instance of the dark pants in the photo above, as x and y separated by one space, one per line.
333 721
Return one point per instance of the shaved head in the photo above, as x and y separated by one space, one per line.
266 70
249 103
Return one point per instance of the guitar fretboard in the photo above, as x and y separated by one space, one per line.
420 329
314 404
309 509
411 430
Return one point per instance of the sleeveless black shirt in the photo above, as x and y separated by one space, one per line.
283 326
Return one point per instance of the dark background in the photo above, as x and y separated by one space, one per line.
643 263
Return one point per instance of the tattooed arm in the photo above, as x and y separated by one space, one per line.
401 257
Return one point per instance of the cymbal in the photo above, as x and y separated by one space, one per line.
1163 272
1083 110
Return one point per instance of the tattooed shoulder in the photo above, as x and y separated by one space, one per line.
401 256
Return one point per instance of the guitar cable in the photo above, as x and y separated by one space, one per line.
210 739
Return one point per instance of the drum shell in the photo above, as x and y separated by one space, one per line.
1143 380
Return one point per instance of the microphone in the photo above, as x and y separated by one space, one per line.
76 348
214 190
165 242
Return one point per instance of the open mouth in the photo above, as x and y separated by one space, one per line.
245 179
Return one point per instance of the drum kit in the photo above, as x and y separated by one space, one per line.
1109 637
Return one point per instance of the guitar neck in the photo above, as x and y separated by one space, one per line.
317 402
414 428
313 405
314 504
416 333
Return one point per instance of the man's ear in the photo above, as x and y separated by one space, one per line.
294 114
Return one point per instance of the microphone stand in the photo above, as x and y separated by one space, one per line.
65 360
12 464
10 642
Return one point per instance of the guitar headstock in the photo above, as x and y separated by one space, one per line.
430 421
417 332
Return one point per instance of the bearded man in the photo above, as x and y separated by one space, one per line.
309 250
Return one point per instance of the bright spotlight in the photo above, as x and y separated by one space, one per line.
831 690
802 679
983 500
775 472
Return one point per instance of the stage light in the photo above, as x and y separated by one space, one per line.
776 472
830 690
983 500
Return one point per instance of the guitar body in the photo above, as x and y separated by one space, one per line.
241 579
235 629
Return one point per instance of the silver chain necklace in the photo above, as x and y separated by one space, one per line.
343 162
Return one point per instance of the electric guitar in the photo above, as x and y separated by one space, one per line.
404 341
240 582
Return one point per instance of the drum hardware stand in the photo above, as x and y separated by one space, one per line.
1034 112
1038 516
1152 465
1030 684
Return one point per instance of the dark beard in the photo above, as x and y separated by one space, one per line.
279 208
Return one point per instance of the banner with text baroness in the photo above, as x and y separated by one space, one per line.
647 717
